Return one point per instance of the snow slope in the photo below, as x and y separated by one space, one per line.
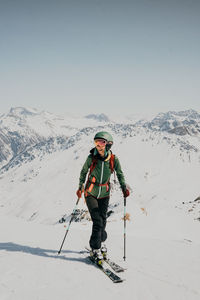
158 267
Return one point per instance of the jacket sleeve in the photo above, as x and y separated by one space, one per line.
120 174
84 171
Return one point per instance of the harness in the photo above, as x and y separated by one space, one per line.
90 183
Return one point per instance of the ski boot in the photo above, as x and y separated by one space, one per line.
97 256
104 251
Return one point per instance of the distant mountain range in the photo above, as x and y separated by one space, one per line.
26 133
180 123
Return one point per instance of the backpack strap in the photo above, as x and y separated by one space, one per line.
112 163
93 165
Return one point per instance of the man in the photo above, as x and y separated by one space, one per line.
101 163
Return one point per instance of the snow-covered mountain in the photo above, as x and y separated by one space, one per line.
27 152
42 155
25 130
180 123
101 117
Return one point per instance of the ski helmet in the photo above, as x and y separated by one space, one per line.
105 136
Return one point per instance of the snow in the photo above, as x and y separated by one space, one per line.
158 267
163 243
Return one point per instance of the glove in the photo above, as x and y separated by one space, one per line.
79 193
126 192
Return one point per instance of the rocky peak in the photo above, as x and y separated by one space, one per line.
180 123
22 112
101 117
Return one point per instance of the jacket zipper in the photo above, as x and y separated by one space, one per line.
102 167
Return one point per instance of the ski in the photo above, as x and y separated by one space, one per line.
115 278
117 268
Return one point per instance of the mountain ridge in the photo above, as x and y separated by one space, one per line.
25 128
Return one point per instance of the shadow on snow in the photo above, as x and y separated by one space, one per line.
12 247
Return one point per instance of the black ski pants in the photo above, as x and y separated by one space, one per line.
98 212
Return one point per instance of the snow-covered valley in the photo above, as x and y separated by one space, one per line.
38 180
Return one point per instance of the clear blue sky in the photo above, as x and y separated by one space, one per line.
100 55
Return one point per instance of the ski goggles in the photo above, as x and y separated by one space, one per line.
100 142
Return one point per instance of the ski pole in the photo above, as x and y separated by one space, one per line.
124 229
73 213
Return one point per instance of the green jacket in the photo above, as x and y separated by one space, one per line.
100 175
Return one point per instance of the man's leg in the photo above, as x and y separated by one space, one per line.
103 208
93 207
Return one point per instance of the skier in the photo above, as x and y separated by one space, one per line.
100 163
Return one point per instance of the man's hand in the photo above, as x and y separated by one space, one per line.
126 192
79 193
